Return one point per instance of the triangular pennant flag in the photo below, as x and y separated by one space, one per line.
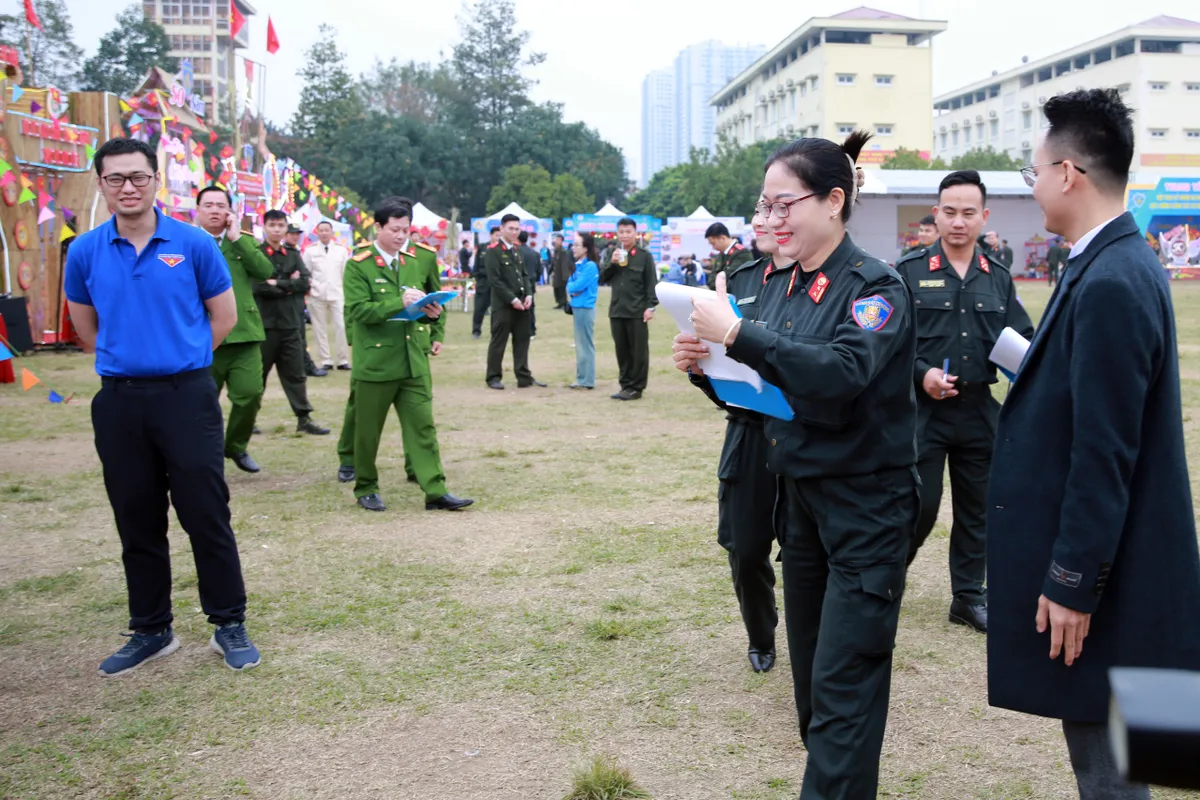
68 214
55 397
26 196
125 107
28 379
6 179
4 167
4 354
34 106
44 199
46 215
17 92
136 119
67 233
212 137
89 152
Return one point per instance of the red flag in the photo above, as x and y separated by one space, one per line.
272 39
249 69
31 16
236 20
212 136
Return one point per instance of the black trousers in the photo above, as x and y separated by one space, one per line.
506 322
746 528
844 547
284 349
161 441
533 317
962 430
560 296
632 339
483 299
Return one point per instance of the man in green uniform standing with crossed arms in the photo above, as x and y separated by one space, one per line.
390 358
237 362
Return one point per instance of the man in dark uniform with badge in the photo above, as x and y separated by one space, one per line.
631 272
483 290
281 302
729 252
390 366
512 299
963 298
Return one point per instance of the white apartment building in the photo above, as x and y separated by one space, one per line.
862 68
1155 64
199 31
658 122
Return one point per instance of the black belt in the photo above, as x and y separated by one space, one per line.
744 419
178 377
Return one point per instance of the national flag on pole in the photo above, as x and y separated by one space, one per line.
236 20
272 39
31 16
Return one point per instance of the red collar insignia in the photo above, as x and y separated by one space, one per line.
935 263
270 250
819 287
379 262
171 261
633 251
983 264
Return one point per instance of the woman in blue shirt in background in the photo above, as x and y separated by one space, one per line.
582 289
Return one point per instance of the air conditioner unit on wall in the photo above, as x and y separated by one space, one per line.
953 126
1025 145
992 114
979 117
1041 101
943 130
1025 104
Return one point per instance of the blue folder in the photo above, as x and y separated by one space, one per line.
770 401
417 310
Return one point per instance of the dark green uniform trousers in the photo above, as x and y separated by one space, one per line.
285 349
746 529
240 367
506 322
632 340
413 401
345 445
844 546
963 429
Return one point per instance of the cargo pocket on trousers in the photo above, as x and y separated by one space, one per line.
876 613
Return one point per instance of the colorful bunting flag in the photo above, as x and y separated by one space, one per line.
26 196
125 107
6 179
212 137
136 119
17 91
55 397
4 354
68 214
28 379
44 199
46 215
34 106
67 233
89 152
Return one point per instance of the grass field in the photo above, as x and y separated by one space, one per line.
581 608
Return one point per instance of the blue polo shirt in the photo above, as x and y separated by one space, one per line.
152 319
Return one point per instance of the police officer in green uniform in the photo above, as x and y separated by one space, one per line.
838 339
512 301
746 498
281 304
963 299
730 253
390 365
237 362
631 272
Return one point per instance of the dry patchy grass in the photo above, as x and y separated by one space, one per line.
581 609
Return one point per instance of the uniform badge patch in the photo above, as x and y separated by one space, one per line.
170 260
379 262
872 313
935 263
983 264
745 301
1065 577
819 287
932 284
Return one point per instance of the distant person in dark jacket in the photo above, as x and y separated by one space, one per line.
533 265
1092 556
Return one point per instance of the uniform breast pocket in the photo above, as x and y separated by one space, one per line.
936 314
990 311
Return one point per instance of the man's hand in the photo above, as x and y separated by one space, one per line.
433 311
271 282
295 274
939 385
528 304
1068 628
687 350
648 315
435 348
412 295
518 305
233 231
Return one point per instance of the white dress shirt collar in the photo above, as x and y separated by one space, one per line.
1087 238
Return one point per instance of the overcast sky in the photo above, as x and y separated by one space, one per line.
598 51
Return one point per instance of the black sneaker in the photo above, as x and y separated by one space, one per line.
140 649
306 425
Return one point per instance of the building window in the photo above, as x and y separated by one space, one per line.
883 80
1124 48
1026 120
845 79
995 132
1027 157
967 134
1152 46
1083 62
943 141
994 90
883 130
1044 75
1158 133
954 138
979 132
1102 55
1192 87
845 129
1158 86
150 9
1193 134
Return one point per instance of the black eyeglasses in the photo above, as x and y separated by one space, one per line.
1031 177
139 179
781 210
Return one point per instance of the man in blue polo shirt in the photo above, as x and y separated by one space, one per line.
153 297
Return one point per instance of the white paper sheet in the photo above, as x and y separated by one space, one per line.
1009 351
677 300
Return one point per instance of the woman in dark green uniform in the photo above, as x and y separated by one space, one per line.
838 338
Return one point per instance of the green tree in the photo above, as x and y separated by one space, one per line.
532 187
986 159
904 158
56 57
328 102
488 63
127 53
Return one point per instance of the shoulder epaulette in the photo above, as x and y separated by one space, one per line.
913 255
738 247
363 245
751 264
492 245
427 247
997 263
362 255
872 270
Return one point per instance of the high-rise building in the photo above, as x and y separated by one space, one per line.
861 69
1155 65
658 122
199 31
676 115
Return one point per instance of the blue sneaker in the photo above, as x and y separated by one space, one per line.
141 648
234 644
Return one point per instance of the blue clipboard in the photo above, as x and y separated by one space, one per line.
417 310
771 401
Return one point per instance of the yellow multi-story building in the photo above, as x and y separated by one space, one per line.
861 69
